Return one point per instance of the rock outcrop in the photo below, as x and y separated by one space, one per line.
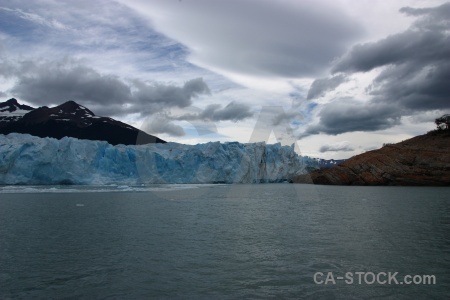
423 161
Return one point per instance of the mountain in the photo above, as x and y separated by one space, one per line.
69 119
422 160
27 159
11 111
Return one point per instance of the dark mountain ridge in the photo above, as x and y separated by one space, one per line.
11 110
12 105
69 119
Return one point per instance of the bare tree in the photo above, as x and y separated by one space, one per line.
443 123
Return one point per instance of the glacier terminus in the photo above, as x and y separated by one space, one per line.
26 159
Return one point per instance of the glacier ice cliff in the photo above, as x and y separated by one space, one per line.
26 159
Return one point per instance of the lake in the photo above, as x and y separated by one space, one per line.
224 242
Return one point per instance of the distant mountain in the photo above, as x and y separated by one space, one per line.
328 163
422 160
68 119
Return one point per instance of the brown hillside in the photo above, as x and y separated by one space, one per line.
422 160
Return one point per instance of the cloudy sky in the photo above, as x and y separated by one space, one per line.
337 77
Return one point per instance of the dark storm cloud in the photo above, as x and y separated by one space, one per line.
214 112
412 46
320 86
414 88
336 147
416 62
148 94
348 115
56 82
161 124
414 76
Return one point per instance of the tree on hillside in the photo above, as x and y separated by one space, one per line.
443 123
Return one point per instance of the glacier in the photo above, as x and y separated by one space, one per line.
26 159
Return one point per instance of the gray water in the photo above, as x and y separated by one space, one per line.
221 241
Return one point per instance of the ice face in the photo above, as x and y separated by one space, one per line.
25 159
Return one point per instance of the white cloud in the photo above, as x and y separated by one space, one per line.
258 38
35 18
254 53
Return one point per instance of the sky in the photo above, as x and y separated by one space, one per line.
337 78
